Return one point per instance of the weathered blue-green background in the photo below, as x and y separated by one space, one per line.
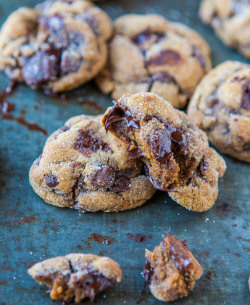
32 230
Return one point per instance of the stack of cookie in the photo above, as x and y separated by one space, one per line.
117 161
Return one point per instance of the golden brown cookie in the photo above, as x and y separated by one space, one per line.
221 107
231 21
175 152
76 277
149 53
171 269
84 168
58 45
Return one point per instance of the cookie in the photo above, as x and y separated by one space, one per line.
175 152
149 53
231 21
76 277
58 45
171 269
221 107
84 168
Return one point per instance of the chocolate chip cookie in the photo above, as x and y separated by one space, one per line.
175 152
84 168
221 107
149 53
58 45
171 269
231 21
76 277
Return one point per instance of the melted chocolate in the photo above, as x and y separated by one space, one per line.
87 143
119 113
51 180
30 126
245 100
162 142
148 272
165 57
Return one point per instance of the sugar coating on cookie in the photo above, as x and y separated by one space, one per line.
175 152
149 53
58 45
221 107
171 269
84 168
76 277
231 21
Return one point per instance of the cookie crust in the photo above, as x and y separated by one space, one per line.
76 277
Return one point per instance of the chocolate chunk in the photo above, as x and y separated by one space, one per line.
91 21
51 180
121 184
119 113
87 143
197 53
104 177
163 77
165 57
245 100
147 35
41 67
70 63
148 272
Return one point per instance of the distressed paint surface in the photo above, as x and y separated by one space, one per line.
32 230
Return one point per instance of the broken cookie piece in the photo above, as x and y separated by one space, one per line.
76 277
175 152
84 168
171 269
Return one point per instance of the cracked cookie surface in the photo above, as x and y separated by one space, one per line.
149 53
58 45
231 21
76 277
171 269
175 152
84 168
221 107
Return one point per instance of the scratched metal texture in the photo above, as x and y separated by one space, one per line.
32 231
